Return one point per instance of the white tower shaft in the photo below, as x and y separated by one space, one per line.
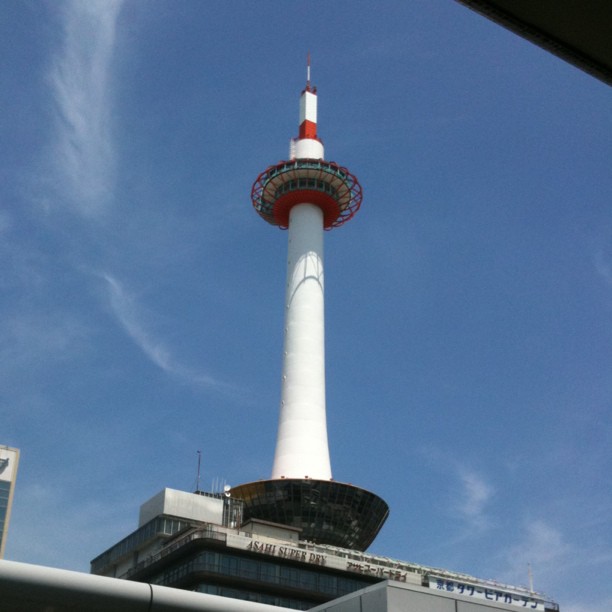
301 448
308 195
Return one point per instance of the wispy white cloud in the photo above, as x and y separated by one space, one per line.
603 267
468 496
81 82
130 316
39 504
6 222
592 606
541 547
474 495
555 559
32 338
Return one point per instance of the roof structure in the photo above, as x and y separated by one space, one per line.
577 31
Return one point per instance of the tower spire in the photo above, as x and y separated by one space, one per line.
308 120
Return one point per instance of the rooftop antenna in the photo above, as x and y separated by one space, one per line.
308 71
530 573
198 476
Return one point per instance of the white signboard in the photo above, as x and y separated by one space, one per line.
488 592
272 548
477 590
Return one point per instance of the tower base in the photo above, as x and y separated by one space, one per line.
327 512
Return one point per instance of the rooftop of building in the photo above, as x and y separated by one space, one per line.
162 535
574 30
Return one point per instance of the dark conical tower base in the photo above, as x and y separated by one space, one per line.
327 512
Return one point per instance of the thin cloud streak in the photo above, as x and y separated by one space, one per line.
552 557
127 312
32 339
542 547
603 268
475 494
600 606
81 81
467 499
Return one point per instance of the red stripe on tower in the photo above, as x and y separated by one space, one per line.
308 129
308 109
308 114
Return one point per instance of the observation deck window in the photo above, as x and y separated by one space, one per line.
304 183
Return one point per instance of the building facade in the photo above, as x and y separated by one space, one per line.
197 542
9 461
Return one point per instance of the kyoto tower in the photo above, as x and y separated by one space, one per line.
307 195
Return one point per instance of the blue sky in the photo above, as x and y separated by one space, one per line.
469 302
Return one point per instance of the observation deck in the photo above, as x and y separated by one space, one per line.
314 181
327 512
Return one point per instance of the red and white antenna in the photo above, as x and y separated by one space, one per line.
307 144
